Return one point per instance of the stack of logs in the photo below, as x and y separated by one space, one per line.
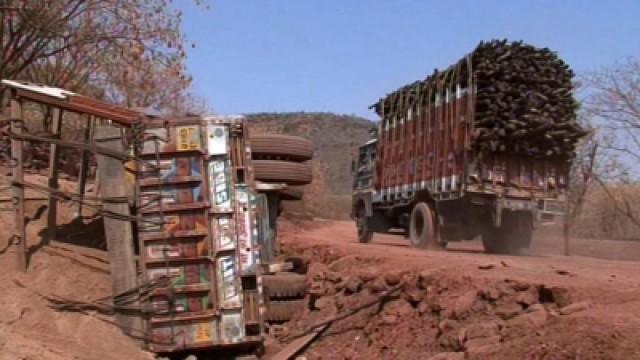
524 101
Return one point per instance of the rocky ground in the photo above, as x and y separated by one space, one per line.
463 304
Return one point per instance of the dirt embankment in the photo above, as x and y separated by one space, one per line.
30 329
460 305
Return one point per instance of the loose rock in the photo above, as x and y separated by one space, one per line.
533 319
561 296
392 279
528 297
376 286
353 285
508 310
464 304
367 276
574 308
488 345
448 356
482 330
333 276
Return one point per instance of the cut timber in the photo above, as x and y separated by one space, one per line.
118 233
297 345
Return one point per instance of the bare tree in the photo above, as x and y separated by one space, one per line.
612 104
581 180
128 51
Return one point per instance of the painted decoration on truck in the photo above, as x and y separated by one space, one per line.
184 221
217 139
188 138
224 232
191 302
175 249
172 139
228 291
152 197
232 328
185 334
245 231
182 275
219 181
173 169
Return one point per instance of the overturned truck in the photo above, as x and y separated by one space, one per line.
189 216
482 148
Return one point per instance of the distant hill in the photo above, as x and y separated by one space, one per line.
336 139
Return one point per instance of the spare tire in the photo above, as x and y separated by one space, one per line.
291 147
284 285
283 310
288 172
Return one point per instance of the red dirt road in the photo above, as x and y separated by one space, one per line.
608 329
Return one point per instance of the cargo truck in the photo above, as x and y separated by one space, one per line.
420 174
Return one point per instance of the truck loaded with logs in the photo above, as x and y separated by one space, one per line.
480 149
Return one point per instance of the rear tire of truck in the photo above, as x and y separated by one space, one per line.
423 233
362 226
288 172
514 235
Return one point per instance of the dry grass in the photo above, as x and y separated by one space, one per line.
604 214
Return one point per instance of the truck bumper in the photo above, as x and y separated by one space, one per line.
543 211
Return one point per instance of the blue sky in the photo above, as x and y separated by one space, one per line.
342 55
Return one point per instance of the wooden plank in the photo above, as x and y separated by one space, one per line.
293 348
54 154
84 163
118 233
20 240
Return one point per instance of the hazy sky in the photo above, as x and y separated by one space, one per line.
342 55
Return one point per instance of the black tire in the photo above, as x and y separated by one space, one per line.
514 235
288 172
423 233
291 194
293 148
363 226
280 311
285 285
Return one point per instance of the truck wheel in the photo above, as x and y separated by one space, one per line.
514 234
289 172
496 241
422 228
362 225
291 147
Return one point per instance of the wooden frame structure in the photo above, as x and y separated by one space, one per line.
61 101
